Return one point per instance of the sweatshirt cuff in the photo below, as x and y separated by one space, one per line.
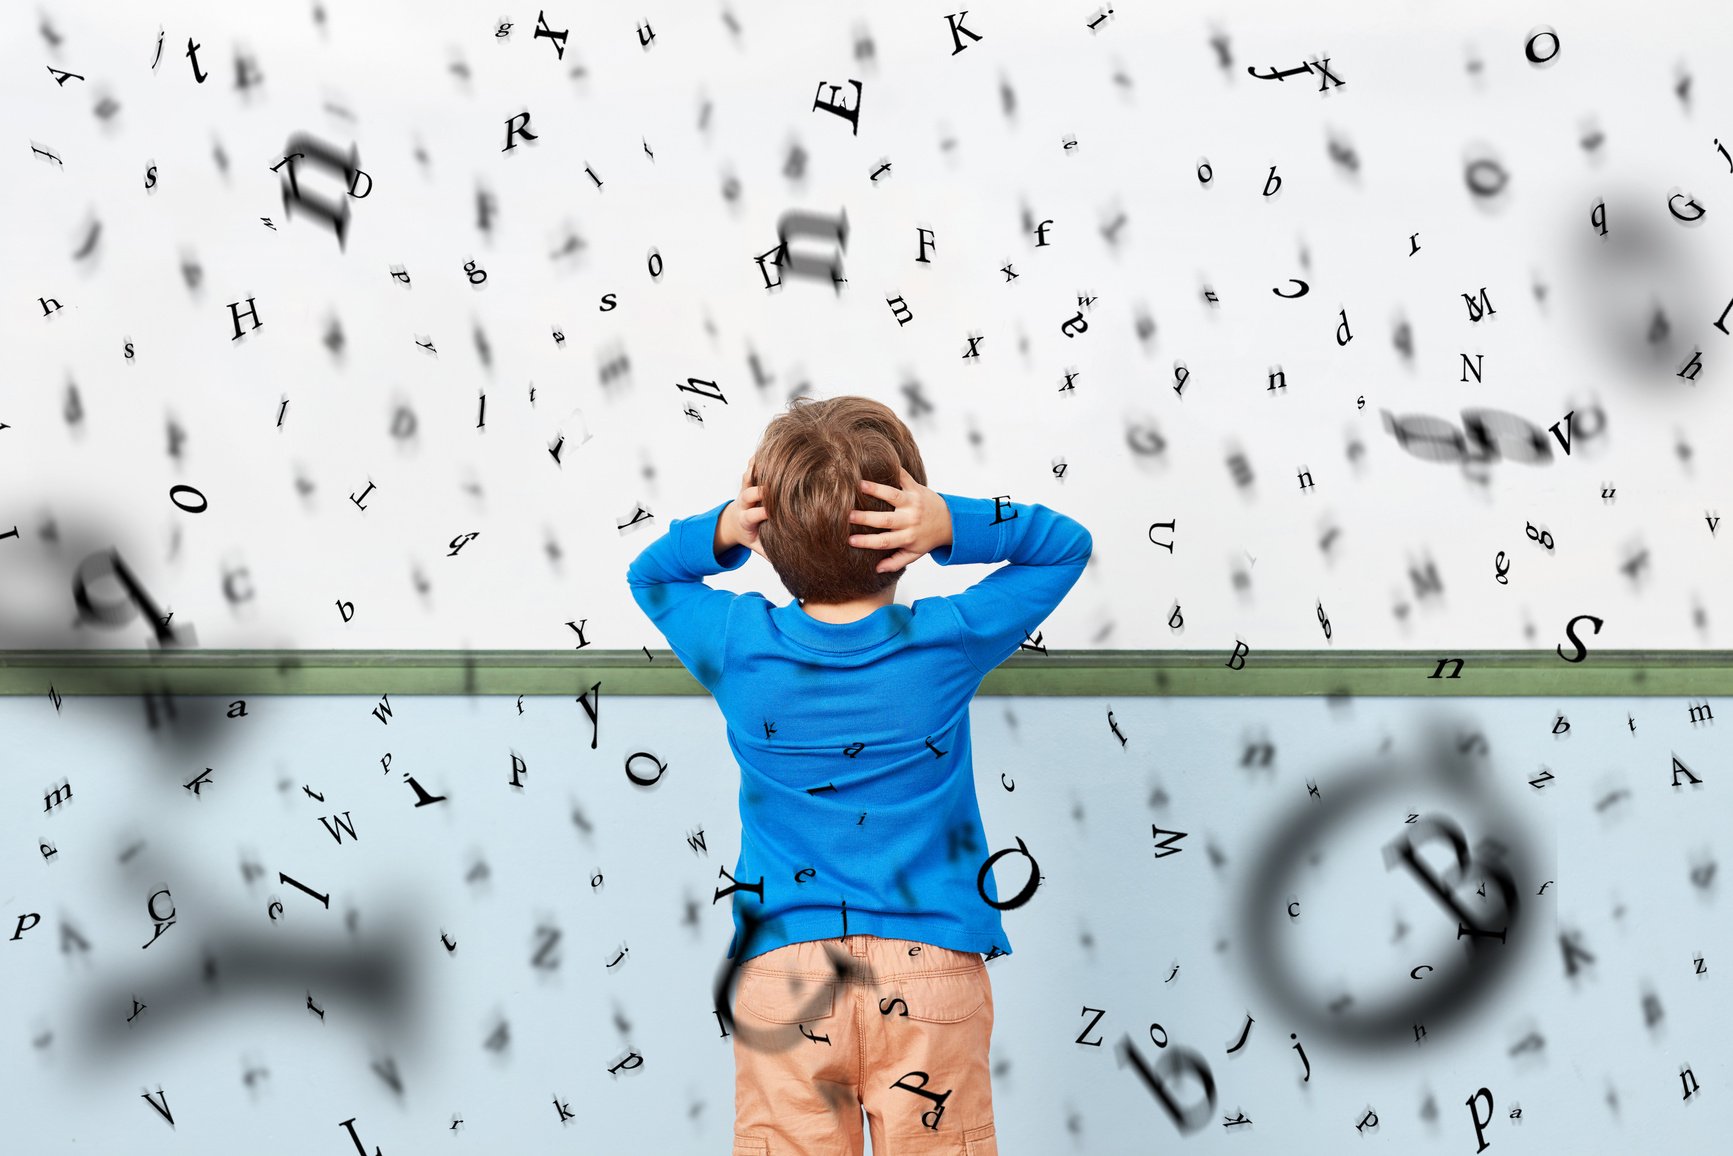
698 544
974 537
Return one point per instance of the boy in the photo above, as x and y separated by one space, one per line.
861 909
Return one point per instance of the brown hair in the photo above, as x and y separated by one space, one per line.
810 463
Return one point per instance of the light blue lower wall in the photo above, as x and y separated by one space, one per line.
1104 930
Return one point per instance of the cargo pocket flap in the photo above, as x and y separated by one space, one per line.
980 1141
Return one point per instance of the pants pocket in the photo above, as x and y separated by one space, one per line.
945 998
750 1146
980 1141
785 999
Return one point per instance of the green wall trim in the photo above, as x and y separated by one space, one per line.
1270 673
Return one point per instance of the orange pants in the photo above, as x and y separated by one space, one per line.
903 1032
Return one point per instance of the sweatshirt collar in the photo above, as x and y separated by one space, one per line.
841 637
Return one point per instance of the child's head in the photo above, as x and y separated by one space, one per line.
810 463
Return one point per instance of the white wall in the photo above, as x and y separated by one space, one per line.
999 425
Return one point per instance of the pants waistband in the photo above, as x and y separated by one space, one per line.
878 956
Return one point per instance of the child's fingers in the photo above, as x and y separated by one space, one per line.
891 541
888 534
889 493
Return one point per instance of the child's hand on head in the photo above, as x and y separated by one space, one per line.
748 512
919 524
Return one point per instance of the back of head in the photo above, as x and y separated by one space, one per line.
810 463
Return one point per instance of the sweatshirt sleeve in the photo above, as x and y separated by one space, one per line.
1046 552
667 581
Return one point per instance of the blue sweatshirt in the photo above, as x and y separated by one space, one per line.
858 812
